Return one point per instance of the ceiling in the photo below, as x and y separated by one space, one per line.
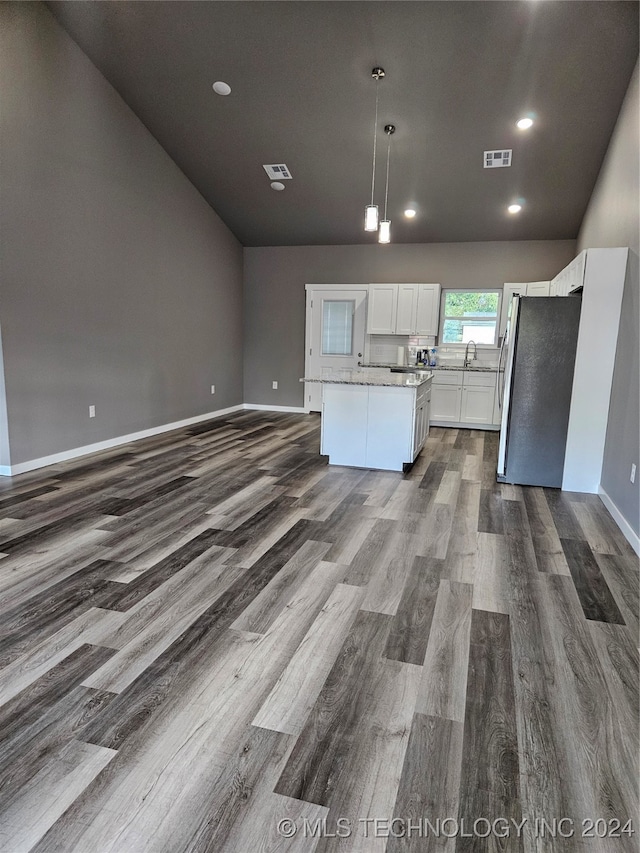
458 76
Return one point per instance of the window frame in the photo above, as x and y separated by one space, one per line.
443 317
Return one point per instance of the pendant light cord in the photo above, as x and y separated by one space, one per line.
386 189
375 139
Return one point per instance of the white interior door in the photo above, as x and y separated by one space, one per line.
335 335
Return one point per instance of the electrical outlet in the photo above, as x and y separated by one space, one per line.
92 411
274 385
633 472
213 389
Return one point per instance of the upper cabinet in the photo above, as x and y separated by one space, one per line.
382 309
428 310
571 277
509 291
523 288
407 309
538 288
403 309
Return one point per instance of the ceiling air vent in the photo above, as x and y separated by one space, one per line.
277 172
495 159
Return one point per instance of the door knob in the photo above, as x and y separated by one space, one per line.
359 355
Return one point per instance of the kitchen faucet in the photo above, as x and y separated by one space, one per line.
467 360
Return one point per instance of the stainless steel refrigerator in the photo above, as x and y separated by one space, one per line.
534 388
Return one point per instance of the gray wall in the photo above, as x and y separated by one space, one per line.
119 286
274 296
612 220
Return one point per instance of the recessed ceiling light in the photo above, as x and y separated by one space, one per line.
524 123
410 213
514 208
277 185
221 88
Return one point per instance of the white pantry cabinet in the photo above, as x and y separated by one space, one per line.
604 279
403 309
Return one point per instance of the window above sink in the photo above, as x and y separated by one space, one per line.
469 315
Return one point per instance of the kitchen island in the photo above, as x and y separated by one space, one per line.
374 420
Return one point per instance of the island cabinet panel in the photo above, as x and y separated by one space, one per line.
374 426
345 414
390 427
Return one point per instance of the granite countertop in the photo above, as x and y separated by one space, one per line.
361 377
483 369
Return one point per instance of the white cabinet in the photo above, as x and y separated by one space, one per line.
604 283
446 396
538 288
407 309
382 308
403 309
373 426
478 396
428 309
571 278
421 418
523 288
508 292
463 397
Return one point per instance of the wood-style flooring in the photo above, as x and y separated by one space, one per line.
213 641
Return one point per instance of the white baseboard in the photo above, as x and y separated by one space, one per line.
629 533
300 410
74 453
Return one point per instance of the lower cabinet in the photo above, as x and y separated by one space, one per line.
463 397
421 419
372 426
446 402
478 395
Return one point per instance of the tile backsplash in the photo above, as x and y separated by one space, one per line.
383 349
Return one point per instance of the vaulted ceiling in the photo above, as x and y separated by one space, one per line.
458 77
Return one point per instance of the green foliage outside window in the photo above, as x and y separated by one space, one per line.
471 304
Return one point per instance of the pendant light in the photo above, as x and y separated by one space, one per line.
384 235
371 210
